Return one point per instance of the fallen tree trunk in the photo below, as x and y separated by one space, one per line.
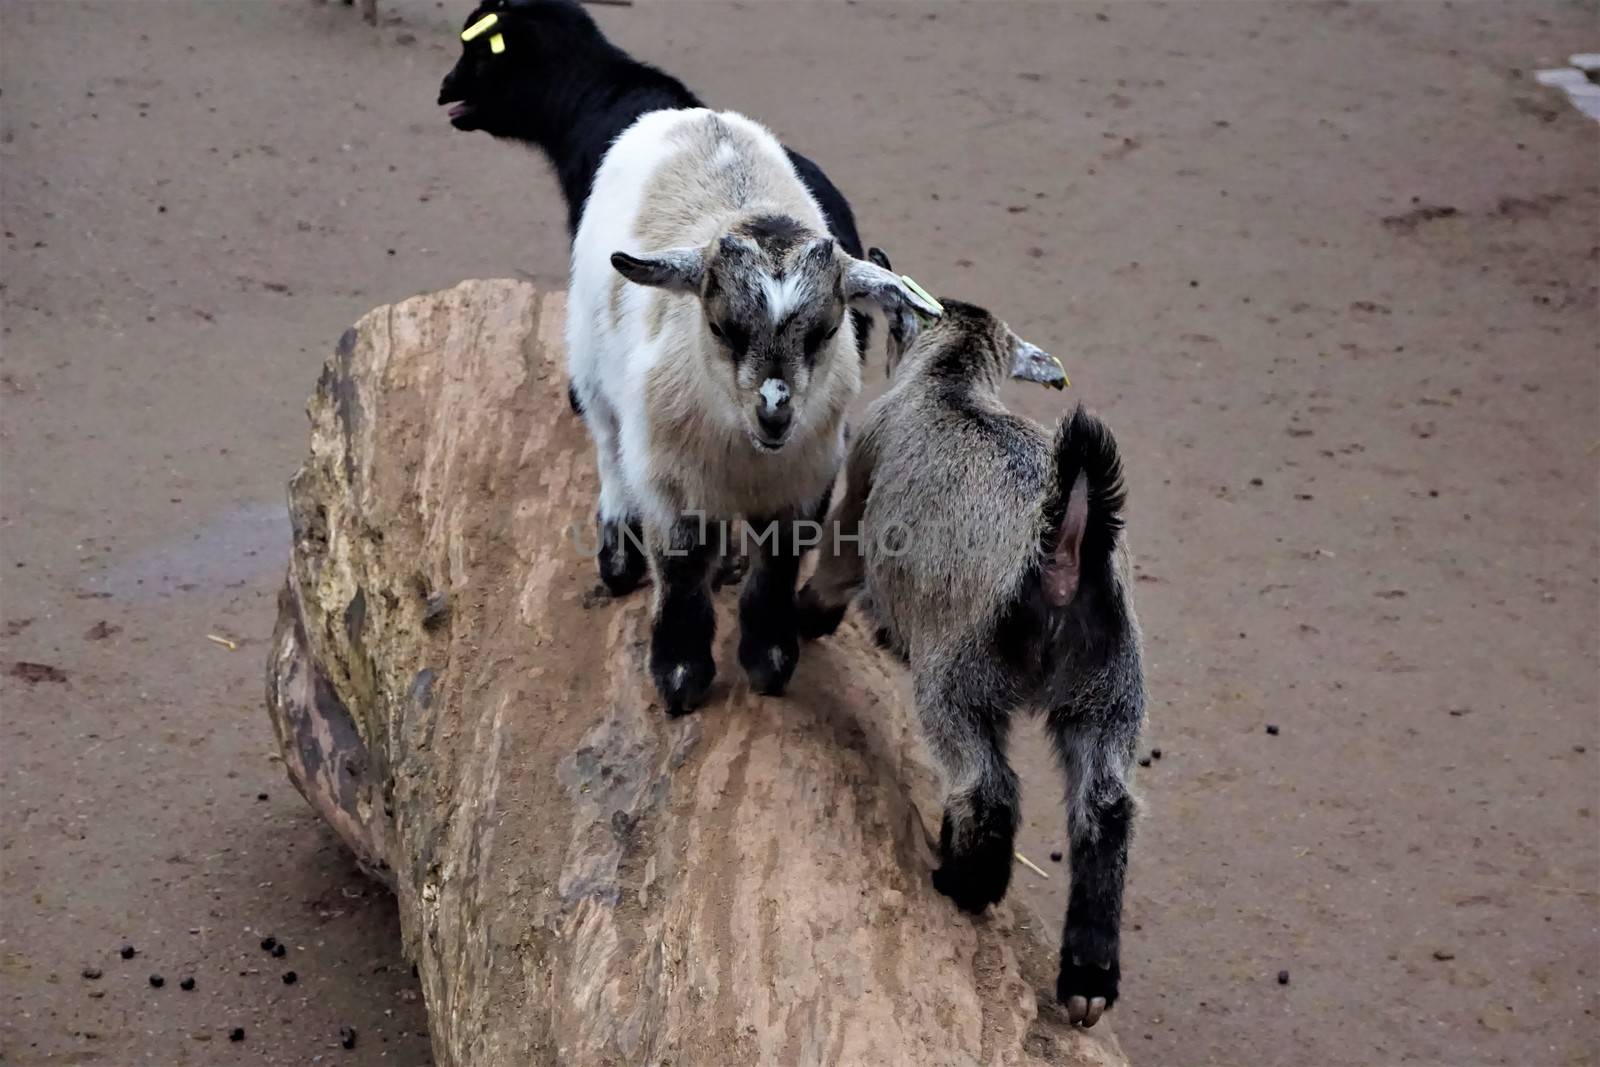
581 879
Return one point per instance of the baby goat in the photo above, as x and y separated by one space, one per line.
715 386
989 559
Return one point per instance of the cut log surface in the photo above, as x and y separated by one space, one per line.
581 879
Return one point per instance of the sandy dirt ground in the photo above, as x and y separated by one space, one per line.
1328 269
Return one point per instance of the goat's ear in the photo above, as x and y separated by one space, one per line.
903 305
869 285
678 270
904 328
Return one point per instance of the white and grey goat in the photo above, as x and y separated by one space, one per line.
989 559
715 386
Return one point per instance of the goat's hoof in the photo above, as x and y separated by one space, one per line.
1088 991
684 685
769 665
1085 1012
619 582
971 885
979 874
1090 975
815 619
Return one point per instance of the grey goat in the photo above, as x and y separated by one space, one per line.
987 554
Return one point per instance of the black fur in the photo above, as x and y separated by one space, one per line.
769 634
778 234
976 873
815 619
622 561
562 87
681 636
1090 943
559 86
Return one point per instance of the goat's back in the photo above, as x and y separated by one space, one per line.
678 178
959 485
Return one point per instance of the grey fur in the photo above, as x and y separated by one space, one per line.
978 605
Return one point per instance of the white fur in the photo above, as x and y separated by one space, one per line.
774 392
611 360
784 294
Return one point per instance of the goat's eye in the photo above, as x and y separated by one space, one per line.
830 333
716 331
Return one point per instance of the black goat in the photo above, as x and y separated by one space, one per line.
559 85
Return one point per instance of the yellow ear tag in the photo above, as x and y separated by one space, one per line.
911 284
479 28
497 44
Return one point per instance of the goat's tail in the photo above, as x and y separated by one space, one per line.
1082 512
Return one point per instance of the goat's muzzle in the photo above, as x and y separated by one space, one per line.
452 91
774 414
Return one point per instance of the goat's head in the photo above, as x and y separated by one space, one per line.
773 295
968 343
509 51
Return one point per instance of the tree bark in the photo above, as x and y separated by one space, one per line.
582 880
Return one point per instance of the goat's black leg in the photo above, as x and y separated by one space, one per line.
622 554
1101 822
769 636
684 623
966 732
